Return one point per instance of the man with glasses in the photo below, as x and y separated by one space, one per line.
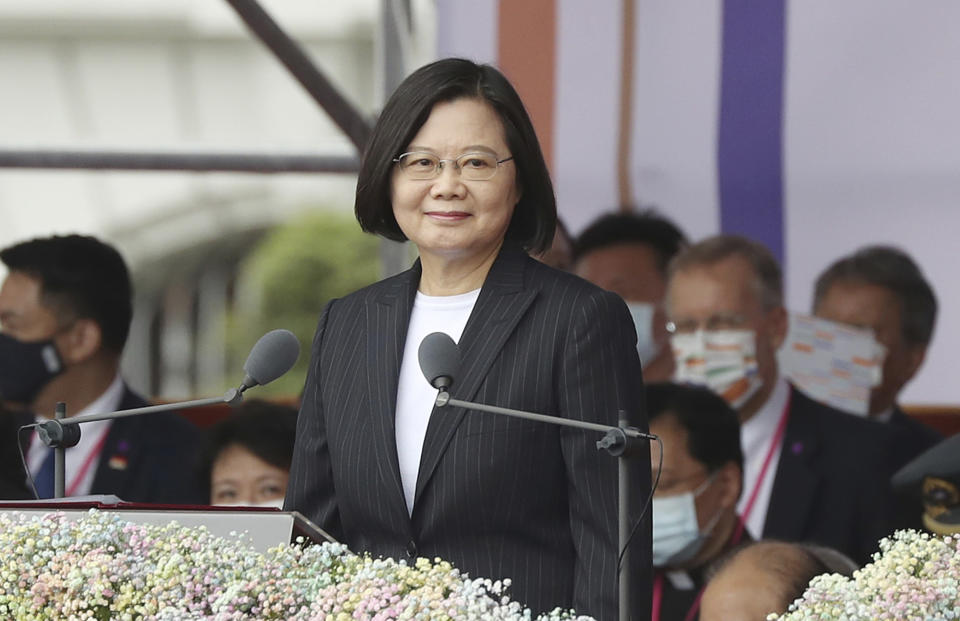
811 473
695 519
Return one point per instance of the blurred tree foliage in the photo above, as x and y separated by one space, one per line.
289 277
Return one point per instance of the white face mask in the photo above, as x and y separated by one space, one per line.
642 314
832 363
677 537
725 361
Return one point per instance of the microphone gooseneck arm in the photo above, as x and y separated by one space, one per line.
444 399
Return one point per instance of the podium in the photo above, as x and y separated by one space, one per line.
264 528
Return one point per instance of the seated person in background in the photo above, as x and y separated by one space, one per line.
766 577
881 289
560 252
934 477
246 457
811 473
694 507
628 253
65 311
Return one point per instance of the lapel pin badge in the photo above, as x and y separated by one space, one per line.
118 462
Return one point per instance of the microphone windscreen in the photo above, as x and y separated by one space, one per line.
439 357
273 355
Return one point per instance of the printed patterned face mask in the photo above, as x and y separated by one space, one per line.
725 361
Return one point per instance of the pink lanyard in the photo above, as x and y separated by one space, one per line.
774 445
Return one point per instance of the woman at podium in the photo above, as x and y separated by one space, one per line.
454 166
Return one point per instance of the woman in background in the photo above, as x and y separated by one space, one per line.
246 457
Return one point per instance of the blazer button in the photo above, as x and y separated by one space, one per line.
412 549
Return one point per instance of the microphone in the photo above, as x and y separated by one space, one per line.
439 360
273 355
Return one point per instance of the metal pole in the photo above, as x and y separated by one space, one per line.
59 457
302 68
174 161
623 529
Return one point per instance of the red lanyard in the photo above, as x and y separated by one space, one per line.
93 456
85 466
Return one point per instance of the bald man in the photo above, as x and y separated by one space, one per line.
766 577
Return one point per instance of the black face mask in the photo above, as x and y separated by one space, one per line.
26 367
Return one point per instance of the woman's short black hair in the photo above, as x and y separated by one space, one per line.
535 216
266 429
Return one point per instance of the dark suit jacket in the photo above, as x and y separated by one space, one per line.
13 481
498 497
912 436
149 458
159 455
832 483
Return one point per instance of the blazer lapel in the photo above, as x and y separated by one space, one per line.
388 317
501 304
796 482
118 456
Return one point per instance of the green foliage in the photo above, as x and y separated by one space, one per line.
290 276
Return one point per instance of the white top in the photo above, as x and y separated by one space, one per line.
91 437
755 437
415 395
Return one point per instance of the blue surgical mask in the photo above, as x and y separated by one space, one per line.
642 314
677 537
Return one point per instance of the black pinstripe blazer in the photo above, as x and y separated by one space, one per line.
498 497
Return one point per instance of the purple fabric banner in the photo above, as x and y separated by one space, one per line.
750 127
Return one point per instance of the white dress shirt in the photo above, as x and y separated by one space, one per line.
756 437
92 435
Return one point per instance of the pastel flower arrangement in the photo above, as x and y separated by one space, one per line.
915 576
101 567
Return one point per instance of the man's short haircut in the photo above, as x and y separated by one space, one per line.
712 250
81 277
535 215
712 426
644 227
894 270
266 429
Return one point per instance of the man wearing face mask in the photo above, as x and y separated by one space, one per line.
65 311
881 289
695 520
628 253
811 473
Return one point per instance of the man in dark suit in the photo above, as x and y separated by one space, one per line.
881 289
65 310
810 473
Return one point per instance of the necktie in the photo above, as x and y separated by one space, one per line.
44 478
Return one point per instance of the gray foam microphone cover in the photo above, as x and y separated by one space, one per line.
439 356
273 355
